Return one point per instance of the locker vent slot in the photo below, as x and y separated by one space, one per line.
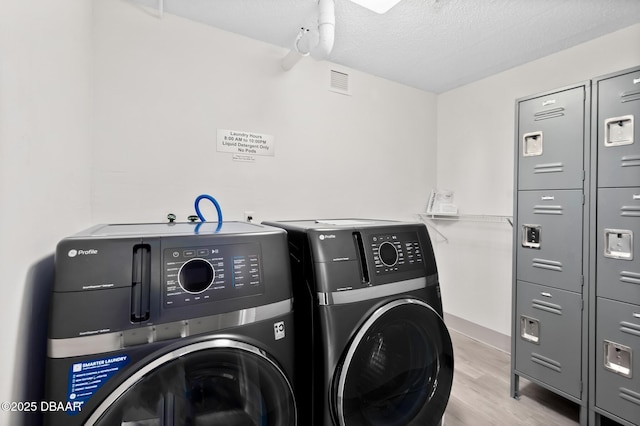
547 209
546 306
630 277
618 131
630 96
546 362
548 168
618 358
630 328
629 395
630 161
630 211
551 265
549 113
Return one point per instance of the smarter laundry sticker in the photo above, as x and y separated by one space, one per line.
87 377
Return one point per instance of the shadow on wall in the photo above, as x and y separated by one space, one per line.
31 349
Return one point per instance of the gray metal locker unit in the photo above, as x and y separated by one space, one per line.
550 348
549 328
619 130
551 140
617 365
614 387
549 250
618 244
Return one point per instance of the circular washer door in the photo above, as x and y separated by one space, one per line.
398 369
215 382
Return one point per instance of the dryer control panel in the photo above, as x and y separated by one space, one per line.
395 252
208 273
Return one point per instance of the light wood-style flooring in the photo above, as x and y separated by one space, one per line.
480 394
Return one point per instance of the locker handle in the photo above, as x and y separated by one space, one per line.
636 196
636 315
546 294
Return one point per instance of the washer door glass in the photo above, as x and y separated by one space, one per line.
398 369
229 384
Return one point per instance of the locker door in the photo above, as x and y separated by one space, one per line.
548 345
551 141
618 245
549 249
617 363
618 130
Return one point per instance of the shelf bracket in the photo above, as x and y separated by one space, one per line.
432 226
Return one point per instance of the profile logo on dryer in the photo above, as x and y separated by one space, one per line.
326 237
88 252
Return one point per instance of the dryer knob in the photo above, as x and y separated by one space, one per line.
196 275
388 253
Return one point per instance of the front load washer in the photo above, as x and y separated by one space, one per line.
171 324
372 348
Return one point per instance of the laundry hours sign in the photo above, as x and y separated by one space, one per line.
247 143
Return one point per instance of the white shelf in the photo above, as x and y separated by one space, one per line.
469 218
479 218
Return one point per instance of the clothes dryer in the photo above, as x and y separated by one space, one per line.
372 348
171 324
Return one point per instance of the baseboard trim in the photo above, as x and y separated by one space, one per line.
477 332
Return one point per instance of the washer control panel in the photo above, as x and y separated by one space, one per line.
395 252
210 273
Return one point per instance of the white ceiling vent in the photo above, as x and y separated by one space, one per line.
339 82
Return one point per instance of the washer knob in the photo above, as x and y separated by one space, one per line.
196 275
388 254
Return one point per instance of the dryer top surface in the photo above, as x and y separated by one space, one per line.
337 224
173 229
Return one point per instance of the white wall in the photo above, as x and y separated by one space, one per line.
109 114
475 160
45 148
164 86
135 140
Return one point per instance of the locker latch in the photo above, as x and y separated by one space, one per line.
530 329
618 358
532 144
618 131
618 244
531 236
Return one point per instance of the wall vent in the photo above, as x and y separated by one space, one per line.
339 82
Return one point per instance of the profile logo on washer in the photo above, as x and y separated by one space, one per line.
328 236
74 252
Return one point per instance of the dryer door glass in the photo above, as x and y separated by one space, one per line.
398 369
233 385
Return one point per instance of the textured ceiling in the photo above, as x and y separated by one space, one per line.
434 45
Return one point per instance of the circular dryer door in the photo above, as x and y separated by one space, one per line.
215 382
398 369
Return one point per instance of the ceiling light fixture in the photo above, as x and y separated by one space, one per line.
378 6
